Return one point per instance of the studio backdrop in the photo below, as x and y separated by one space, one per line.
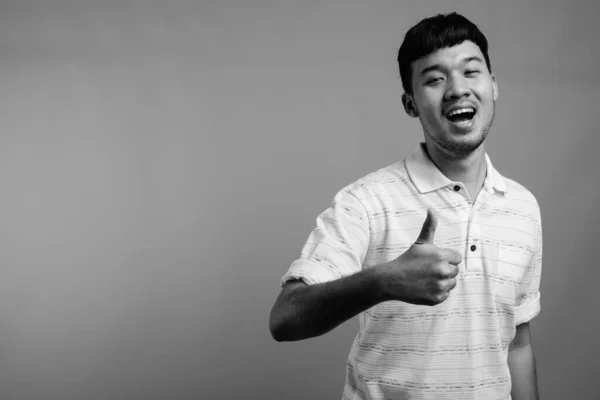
163 162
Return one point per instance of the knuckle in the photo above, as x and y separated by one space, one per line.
451 283
447 271
440 286
439 269
439 255
444 271
452 256
455 270
439 298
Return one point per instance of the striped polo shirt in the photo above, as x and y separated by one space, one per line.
457 349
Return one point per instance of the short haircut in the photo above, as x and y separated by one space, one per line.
432 34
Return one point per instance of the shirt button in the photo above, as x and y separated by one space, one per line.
473 247
457 188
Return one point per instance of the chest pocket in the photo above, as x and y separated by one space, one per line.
509 272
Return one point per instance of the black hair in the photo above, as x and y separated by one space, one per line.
432 34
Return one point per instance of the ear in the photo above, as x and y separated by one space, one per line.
494 87
409 105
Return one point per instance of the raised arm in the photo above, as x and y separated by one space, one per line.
303 311
424 274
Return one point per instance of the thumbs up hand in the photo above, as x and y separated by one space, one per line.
424 274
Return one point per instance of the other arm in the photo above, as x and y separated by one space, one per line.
521 363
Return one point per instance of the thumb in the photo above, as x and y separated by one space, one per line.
428 230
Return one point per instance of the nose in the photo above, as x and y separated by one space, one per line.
457 87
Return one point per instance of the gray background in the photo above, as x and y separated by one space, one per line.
162 164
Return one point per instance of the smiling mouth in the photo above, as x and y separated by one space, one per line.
462 116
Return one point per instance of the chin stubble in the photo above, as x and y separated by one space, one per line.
461 149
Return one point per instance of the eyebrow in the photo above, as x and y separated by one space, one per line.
438 67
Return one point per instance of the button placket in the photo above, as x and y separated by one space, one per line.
473 234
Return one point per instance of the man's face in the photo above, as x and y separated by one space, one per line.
454 96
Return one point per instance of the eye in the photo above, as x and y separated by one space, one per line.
434 80
471 72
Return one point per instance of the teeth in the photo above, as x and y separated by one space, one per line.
460 111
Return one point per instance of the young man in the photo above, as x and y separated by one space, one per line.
438 253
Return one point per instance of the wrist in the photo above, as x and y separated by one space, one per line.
379 283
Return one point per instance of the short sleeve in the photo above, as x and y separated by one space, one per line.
527 304
338 244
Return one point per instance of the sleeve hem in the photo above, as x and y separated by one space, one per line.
309 272
527 311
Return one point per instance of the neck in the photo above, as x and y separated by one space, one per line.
470 169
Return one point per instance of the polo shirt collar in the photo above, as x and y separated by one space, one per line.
427 177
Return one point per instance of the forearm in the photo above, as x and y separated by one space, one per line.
307 311
521 363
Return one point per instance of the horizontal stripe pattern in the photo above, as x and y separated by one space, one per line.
457 349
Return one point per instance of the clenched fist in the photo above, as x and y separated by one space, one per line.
424 274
